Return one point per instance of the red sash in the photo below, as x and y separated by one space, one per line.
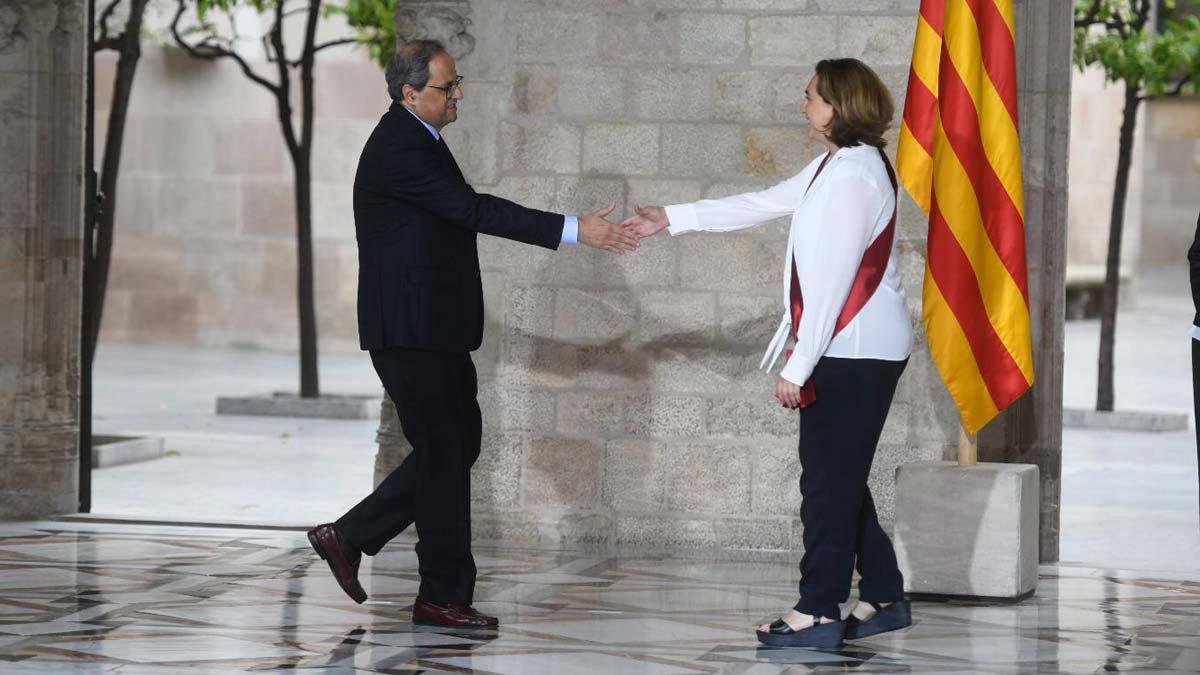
870 274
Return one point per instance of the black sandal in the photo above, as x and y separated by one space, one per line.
893 617
819 635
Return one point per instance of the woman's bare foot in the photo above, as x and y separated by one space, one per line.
865 610
795 620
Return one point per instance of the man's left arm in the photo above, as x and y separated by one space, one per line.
423 181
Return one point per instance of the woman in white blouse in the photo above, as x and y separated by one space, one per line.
845 313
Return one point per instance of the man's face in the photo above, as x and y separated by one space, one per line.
436 104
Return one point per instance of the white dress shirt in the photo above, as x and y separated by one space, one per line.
833 223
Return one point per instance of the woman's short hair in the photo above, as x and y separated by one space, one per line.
410 65
862 105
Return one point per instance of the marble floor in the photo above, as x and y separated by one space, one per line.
95 597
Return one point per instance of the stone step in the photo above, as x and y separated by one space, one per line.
117 450
284 404
1124 420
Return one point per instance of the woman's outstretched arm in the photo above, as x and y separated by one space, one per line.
737 212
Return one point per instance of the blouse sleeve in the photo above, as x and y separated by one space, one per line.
739 211
827 260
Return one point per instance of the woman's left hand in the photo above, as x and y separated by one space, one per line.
788 393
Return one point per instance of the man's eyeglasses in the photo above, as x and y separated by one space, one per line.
452 88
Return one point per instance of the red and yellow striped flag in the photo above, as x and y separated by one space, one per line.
959 156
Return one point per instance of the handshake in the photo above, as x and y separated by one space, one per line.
597 232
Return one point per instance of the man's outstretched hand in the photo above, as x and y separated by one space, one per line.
647 221
597 232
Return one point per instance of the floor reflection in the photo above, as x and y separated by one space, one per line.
112 598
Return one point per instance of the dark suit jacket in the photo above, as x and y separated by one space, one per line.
1194 264
416 220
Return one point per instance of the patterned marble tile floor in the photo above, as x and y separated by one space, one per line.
90 597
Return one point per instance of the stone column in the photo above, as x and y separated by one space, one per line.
42 66
1030 432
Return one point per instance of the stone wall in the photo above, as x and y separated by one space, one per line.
621 397
1170 198
204 240
42 52
1096 112
204 250
1160 214
622 402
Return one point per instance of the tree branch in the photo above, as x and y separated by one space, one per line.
209 50
1143 14
268 48
296 63
1090 17
284 94
1141 17
308 58
327 45
335 43
1177 90
1116 23
104 17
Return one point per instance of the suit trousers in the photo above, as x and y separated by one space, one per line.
1196 392
838 435
434 394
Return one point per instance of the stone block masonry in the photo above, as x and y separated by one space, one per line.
629 383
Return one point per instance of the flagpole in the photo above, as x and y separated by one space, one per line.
968 448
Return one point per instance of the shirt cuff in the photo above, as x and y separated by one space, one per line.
682 218
798 369
1196 332
570 233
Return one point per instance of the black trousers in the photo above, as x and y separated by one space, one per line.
838 435
434 395
1196 392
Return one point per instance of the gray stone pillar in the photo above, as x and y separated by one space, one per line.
1030 432
42 61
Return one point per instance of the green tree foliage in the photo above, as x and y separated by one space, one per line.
1118 36
375 23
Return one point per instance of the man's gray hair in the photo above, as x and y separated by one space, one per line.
410 65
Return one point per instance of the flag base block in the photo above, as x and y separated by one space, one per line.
968 531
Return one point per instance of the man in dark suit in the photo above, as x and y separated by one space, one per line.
1194 267
420 314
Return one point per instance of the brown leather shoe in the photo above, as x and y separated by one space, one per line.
471 611
324 540
451 615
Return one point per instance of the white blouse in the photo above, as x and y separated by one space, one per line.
833 223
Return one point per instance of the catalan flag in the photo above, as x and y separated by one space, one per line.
959 156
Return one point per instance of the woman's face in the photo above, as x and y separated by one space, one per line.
818 112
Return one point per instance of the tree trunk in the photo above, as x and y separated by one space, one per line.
309 386
129 53
1112 272
304 246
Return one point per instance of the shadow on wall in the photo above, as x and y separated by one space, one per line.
521 402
